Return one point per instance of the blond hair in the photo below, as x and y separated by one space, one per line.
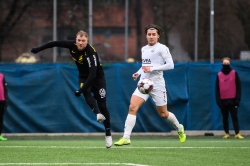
226 58
82 33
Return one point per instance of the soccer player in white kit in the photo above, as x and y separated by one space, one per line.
156 58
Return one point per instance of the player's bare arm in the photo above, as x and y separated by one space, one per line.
135 76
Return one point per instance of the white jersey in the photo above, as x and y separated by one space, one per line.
159 59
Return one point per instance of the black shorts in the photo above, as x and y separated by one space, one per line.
98 88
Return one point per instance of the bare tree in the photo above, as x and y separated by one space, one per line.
138 16
243 13
11 12
32 25
231 17
72 16
169 14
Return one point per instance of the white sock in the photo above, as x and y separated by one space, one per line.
129 125
173 121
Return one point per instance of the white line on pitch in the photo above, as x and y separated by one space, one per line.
129 164
127 147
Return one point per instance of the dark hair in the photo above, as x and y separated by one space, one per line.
153 26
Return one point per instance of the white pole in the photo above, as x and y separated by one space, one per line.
54 29
90 22
211 31
126 31
196 31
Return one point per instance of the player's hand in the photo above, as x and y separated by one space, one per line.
6 104
34 50
78 93
135 76
221 106
237 102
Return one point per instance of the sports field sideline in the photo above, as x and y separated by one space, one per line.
145 150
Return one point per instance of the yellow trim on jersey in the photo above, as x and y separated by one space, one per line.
93 48
80 58
81 84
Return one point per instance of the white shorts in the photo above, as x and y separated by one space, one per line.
159 96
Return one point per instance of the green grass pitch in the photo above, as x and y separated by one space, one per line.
143 151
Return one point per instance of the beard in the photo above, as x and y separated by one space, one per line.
80 48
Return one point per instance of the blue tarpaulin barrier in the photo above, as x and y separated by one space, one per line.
42 100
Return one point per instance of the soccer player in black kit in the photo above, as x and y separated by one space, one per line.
91 76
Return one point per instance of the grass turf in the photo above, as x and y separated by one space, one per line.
143 151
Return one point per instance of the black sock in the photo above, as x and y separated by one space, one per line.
108 133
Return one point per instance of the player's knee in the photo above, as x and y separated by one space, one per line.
133 109
163 115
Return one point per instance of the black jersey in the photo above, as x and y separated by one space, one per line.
87 60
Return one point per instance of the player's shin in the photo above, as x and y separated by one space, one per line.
129 125
173 121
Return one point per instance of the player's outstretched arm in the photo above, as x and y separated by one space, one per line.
43 47
63 44
34 50
136 75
